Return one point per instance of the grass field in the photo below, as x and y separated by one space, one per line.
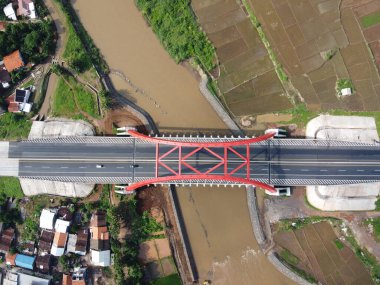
168 280
371 19
14 126
11 187
375 222
67 93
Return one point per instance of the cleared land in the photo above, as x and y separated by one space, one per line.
246 76
319 253
319 42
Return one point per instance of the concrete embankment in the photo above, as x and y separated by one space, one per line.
264 243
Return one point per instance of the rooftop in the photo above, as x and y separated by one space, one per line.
47 219
13 61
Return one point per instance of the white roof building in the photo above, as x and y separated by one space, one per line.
101 258
72 241
26 279
61 226
47 219
10 12
10 278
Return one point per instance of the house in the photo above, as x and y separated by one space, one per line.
5 78
61 226
82 240
26 9
26 279
25 261
101 258
6 240
47 219
18 102
10 278
45 241
99 243
13 61
43 263
59 244
71 242
10 12
10 259
78 277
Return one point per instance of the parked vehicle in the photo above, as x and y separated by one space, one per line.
99 166
280 191
278 133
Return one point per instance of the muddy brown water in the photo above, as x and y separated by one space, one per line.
217 221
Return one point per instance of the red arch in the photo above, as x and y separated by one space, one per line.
200 144
200 177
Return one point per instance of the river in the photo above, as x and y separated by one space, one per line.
217 220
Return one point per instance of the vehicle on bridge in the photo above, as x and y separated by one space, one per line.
280 191
278 133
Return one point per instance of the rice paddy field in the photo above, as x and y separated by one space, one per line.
245 75
319 42
316 250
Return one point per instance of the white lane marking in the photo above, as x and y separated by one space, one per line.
304 169
377 170
323 170
361 170
28 166
82 166
64 167
264 168
342 170
45 166
286 169
120 167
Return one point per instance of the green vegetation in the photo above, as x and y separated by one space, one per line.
71 98
69 261
294 224
289 257
301 116
14 126
329 54
167 280
212 87
339 244
176 27
277 65
343 83
78 57
34 40
375 222
377 203
371 19
10 187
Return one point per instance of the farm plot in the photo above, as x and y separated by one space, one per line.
319 42
246 76
320 254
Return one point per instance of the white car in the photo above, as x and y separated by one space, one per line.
278 133
99 166
280 191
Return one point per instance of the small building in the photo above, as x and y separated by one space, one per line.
346 91
6 240
5 78
98 219
101 258
10 12
47 219
18 102
71 242
26 9
46 240
13 61
10 259
82 241
61 226
25 261
26 279
59 244
11 278
43 263
78 277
